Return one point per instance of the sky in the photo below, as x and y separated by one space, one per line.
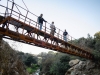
78 17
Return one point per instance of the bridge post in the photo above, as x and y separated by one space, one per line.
12 8
58 33
45 26
26 16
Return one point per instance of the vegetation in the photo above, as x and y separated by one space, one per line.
59 68
10 63
30 61
52 63
33 68
57 63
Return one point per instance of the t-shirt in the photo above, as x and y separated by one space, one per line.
52 26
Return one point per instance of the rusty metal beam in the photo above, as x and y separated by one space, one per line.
68 47
43 44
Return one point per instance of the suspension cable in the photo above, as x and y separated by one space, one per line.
6 11
17 9
25 4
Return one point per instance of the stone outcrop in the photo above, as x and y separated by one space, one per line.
10 63
82 68
73 62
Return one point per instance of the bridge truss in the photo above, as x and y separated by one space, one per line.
15 25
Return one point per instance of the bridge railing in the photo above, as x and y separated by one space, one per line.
27 17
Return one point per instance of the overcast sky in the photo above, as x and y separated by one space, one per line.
78 17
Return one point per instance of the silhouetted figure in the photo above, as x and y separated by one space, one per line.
40 21
65 33
53 29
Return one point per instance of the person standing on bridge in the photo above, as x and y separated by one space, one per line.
53 28
40 21
65 33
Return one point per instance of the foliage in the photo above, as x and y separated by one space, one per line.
27 58
97 35
91 44
96 50
33 68
47 60
30 60
59 68
30 70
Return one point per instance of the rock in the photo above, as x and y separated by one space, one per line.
69 71
10 64
74 62
90 65
82 68
16 73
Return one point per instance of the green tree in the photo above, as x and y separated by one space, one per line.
97 40
97 35
47 60
96 51
90 42
30 60
59 68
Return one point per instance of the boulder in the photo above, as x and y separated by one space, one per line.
90 65
74 62
82 68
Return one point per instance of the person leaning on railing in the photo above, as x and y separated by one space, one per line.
65 33
40 21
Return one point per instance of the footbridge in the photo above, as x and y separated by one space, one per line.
23 27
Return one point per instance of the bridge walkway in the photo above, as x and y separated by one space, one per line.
19 27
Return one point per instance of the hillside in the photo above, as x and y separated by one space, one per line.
10 63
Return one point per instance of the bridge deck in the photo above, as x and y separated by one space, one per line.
38 38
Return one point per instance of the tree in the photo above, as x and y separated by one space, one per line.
47 59
97 40
90 42
97 35
96 51
30 60
60 67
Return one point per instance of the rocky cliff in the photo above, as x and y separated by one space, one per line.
10 63
79 67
